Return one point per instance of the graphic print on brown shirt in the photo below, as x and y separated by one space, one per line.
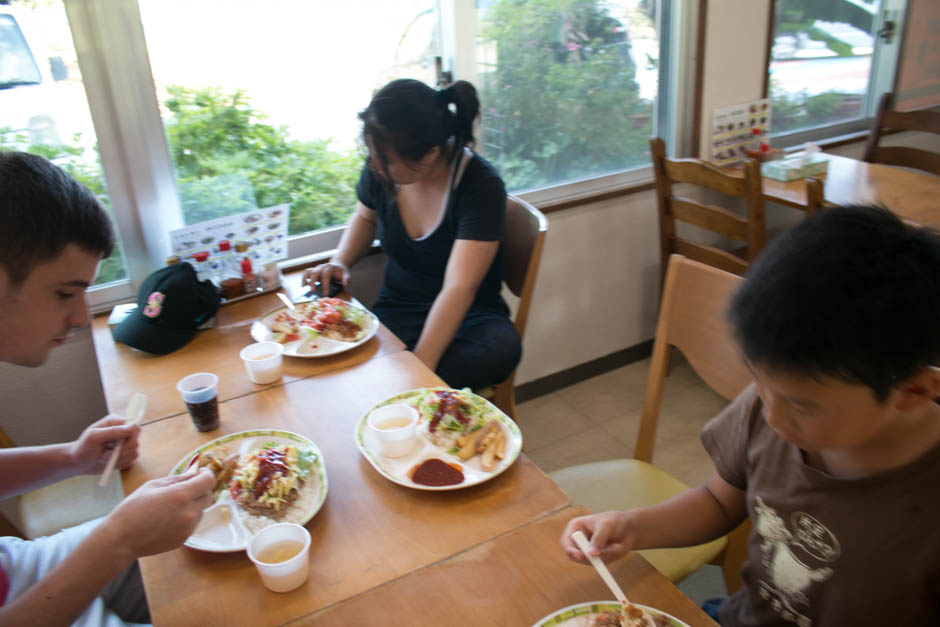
823 550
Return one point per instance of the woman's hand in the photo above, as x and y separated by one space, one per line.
610 534
325 274
91 450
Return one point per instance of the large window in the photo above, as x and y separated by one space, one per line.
260 109
210 107
43 108
829 62
568 87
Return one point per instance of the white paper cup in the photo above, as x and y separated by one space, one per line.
394 428
287 575
263 361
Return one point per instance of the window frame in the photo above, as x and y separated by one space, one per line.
884 65
114 62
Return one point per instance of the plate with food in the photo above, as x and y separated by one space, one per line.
609 614
461 440
316 328
266 476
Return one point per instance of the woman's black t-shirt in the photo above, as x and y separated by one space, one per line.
475 210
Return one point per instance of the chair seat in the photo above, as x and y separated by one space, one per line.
489 392
67 503
620 484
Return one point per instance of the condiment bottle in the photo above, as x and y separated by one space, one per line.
172 260
230 272
201 259
269 277
227 268
248 276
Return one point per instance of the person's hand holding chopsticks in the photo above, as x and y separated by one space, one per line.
90 452
610 533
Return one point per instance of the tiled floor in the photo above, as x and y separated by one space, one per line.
598 419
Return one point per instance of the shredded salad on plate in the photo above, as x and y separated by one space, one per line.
268 480
450 414
332 318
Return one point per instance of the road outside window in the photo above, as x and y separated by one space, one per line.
820 62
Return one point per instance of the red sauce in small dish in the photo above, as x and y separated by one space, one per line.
436 472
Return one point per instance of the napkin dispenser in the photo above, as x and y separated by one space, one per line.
809 162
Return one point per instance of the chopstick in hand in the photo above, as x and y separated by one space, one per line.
581 540
135 411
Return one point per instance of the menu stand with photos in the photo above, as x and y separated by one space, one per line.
741 131
259 235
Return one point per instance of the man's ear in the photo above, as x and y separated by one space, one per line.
923 387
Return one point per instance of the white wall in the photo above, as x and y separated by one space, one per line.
735 57
55 402
597 285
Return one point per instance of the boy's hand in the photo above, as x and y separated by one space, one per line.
91 450
159 515
610 535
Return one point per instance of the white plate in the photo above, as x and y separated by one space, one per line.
245 442
261 332
581 614
396 469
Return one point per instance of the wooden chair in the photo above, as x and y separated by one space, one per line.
814 196
923 120
691 318
522 252
673 208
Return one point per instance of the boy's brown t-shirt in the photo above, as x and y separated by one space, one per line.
822 550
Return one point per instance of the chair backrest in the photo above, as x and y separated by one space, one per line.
923 120
814 195
672 208
692 318
522 251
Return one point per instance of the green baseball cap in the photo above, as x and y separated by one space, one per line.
171 305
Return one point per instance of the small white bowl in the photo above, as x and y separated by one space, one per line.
394 428
263 361
287 575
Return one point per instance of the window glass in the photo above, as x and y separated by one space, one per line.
259 99
43 109
568 87
820 61
17 65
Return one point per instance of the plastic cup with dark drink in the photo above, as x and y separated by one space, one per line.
200 393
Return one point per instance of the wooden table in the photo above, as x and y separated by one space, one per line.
910 194
126 371
369 532
515 579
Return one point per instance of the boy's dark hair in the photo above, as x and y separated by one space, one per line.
410 118
43 210
851 293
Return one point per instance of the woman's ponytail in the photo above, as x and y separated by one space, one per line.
460 121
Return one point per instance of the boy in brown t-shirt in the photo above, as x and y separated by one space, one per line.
834 450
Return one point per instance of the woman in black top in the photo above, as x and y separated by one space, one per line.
439 210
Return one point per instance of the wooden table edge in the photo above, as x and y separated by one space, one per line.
577 510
